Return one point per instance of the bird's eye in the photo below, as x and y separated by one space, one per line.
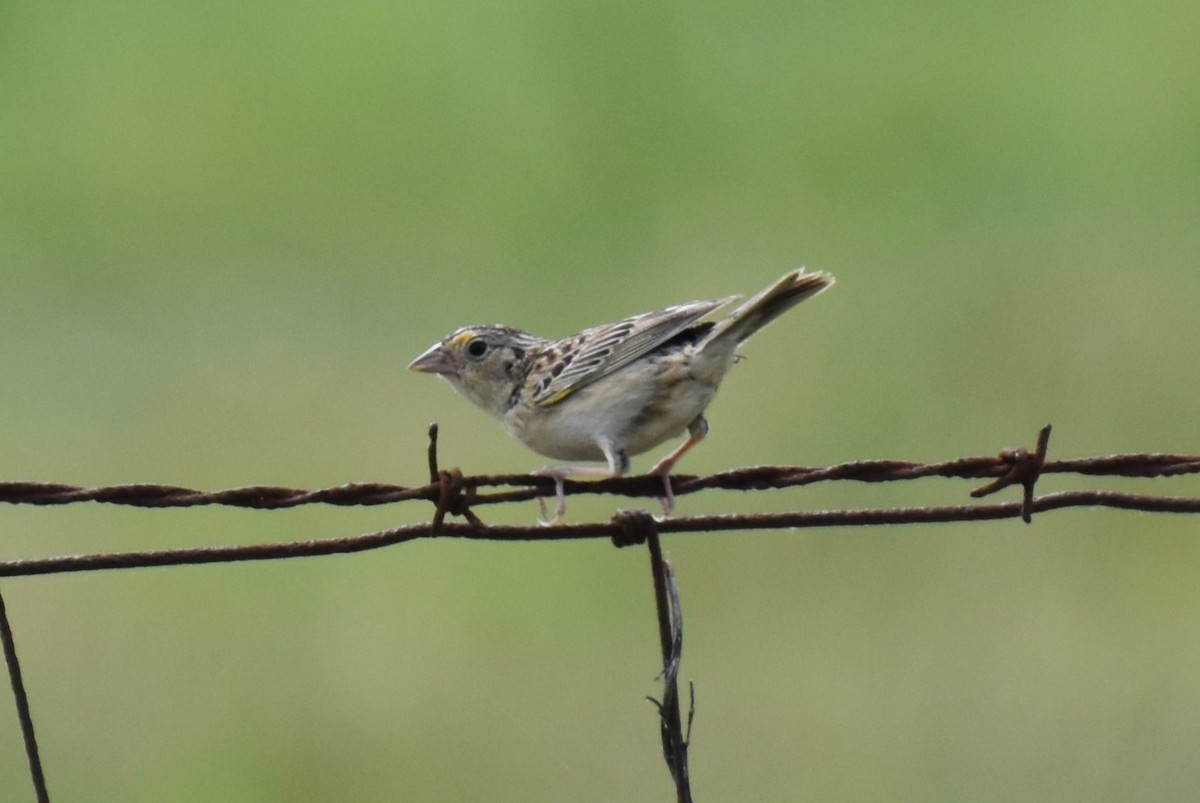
477 347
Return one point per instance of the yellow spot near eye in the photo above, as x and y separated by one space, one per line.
461 338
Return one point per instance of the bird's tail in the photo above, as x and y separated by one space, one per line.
768 305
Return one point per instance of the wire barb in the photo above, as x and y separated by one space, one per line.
431 453
1024 467
454 497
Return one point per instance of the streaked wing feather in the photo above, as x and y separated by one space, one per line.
597 352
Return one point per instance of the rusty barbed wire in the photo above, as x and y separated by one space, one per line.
454 494
612 529
529 486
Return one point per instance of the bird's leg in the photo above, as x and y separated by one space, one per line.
618 464
560 473
697 430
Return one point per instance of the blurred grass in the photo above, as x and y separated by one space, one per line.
224 229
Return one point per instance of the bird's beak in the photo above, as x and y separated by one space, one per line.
433 361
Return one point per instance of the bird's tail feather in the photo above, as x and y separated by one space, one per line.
768 305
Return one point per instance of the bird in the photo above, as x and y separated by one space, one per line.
612 391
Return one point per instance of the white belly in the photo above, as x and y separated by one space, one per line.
634 420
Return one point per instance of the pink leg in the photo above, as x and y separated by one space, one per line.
697 430
560 473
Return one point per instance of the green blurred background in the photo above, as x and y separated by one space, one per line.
225 228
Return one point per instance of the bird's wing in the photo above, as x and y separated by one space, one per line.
583 358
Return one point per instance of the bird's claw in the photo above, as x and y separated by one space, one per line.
667 500
560 497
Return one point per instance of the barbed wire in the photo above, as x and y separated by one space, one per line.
1019 463
454 494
